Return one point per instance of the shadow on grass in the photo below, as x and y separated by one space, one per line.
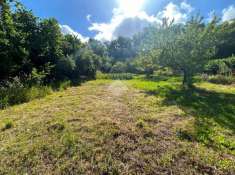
205 104
157 78
200 103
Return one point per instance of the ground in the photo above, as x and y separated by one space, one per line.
122 127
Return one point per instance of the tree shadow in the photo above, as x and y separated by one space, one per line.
158 78
201 103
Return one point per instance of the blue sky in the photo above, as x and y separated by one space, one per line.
108 19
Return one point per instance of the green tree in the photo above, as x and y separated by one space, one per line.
85 64
7 37
97 47
121 49
147 63
71 44
226 35
119 67
190 48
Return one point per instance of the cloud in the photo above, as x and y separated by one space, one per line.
228 13
121 25
126 22
88 17
65 29
130 26
178 13
187 7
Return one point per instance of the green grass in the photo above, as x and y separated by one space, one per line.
212 107
133 126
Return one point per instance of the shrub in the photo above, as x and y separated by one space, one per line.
4 102
119 67
15 92
85 64
221 66
65 68
38 92
221 79
61 85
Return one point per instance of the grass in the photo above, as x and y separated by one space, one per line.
133 126
114 76
211 106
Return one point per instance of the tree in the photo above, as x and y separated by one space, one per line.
226 35
189 48
119 67
147 63
65 68
49 46
98 48
85 63
7 37
27 28
71 44
121 49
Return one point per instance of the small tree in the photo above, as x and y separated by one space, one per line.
147 62
190 48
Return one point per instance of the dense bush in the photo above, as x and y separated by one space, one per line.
85 64
15 92
119 67
221 66
65 68
61 85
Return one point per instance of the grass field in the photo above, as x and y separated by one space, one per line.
133 126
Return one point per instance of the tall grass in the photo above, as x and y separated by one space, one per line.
16 92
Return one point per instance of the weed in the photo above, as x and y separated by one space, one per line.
7 124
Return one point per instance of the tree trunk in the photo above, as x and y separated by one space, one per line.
188 80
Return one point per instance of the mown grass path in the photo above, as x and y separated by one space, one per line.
103 127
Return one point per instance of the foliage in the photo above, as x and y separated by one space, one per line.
121 49
191 49
221 79
223 66
16 92
226 35
147 62
65 68
119 67
115 76
61 85
85 64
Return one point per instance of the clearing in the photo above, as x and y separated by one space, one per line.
121 127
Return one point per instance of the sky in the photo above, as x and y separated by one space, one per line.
105 20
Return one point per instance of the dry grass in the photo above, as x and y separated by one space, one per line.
104 127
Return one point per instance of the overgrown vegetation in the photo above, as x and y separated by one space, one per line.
163 101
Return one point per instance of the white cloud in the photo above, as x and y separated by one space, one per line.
178 13
228 13
88 17
129 21
187 7
65 29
